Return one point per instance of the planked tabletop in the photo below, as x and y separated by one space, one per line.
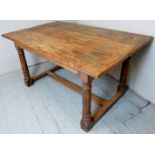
79 48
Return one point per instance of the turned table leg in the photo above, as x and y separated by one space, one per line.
86 122
124 76
28 80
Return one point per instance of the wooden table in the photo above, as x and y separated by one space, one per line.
87 51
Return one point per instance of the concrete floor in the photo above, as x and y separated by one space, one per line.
49 107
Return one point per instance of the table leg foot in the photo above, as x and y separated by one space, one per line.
86 125
29 82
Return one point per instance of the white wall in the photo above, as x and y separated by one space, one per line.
142 73
8 54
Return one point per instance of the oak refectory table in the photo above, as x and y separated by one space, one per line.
89 52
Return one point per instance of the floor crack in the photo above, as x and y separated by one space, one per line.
140 111
33 109
142 108
54 121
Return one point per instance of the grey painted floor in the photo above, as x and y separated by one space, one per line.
49 107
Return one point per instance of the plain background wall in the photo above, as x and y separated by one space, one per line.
142 74
8 54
